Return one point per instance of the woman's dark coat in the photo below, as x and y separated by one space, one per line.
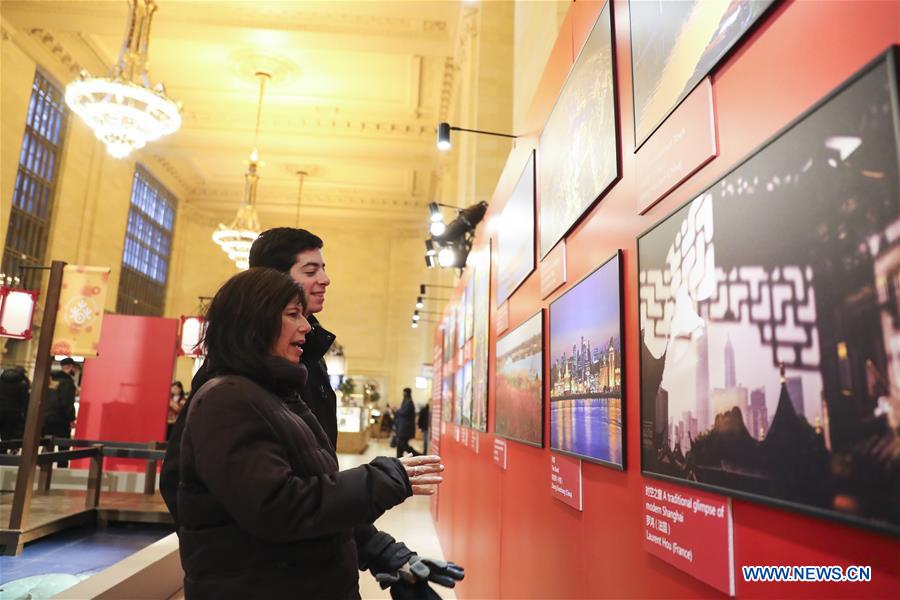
264 511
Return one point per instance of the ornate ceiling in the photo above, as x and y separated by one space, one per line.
356 93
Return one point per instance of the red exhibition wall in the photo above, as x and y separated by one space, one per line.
515 540
124 391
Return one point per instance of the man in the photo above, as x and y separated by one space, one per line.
59 415
405 424
13 403
299 253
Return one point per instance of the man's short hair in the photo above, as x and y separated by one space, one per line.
278 248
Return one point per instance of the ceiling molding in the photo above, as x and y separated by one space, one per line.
50 43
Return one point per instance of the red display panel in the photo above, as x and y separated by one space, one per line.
124 391
526 544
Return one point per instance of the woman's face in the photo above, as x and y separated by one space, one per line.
294 328
175 390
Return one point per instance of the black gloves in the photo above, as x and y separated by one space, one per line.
440 572
422 570
399 568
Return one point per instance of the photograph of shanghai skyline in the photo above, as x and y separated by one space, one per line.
585 368
770 320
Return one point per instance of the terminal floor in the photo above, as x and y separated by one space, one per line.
57 562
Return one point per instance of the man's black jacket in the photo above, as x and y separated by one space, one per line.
318 396
60 406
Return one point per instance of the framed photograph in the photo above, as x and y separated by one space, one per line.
578 153
470 307
461 322
520 383
449 327
447 396
770 318
587 412
515 237
466 419
458 397
674 45
481 302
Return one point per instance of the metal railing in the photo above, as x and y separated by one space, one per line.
96 451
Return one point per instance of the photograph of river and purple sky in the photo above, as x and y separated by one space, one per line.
586 418
770 319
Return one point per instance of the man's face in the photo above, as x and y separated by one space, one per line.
70 369
309 272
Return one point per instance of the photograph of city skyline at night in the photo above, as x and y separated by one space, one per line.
578 153
520 383
770 319
674 45
586 418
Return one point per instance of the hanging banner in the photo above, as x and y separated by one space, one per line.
80 313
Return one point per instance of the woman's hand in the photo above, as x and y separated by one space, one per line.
423 473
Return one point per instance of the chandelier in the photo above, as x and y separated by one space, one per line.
236 238
123 110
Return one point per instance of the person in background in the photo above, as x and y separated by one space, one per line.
405 424
424 421
59 415
387 420
176 403
13 403
264 510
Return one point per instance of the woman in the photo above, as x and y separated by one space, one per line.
177 399
264 510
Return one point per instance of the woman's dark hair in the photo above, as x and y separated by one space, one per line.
244 320
180 388
278 248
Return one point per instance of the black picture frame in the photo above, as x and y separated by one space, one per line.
481 335
589 203
640 140
890 59
517 282
618 258
541 314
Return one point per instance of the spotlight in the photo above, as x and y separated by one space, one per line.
419 303
416 316
447 256
443 139
429 251
444 129
422 289
435 211
415 325
429 262
437 228
465 223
